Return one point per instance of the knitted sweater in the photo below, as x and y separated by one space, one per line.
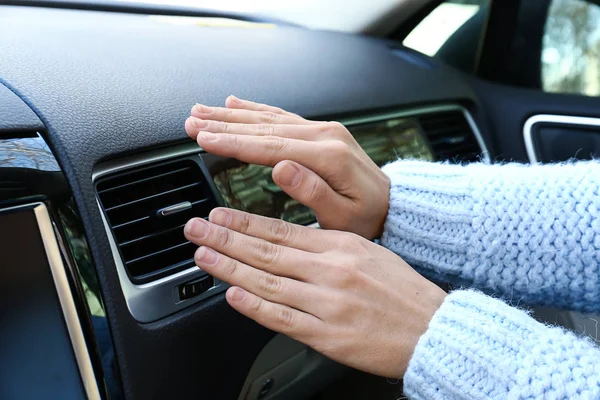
528 234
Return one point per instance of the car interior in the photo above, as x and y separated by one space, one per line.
99 294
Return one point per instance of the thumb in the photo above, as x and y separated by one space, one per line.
308 188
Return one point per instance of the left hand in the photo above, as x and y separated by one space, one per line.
346 297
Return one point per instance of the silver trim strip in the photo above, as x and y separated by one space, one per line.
552 119
157 299
65 296
112 166
427 110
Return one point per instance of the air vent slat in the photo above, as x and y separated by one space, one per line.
149 225
448 131
434 124
180 255
449 140
450 136
139 209
188 263
151 197
157 253
129 223
130 184
116 228
152 245
152 235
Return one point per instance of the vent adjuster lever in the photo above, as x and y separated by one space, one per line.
174 209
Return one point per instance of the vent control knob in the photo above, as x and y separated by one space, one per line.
195 288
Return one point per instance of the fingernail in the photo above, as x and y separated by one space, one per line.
204 109
237 294
206 137
206 256
198 123
220 217
289 175
234 99
197 228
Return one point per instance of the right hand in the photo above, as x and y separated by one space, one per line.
319 164
346 297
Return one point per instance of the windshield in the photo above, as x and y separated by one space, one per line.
340 15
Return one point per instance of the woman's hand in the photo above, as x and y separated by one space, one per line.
340 294
317 163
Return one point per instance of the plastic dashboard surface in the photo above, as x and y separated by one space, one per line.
109 84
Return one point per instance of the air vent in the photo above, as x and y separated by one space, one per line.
450 136
147 209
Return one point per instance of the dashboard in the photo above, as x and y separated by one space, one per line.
92 106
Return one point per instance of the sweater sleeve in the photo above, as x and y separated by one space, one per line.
477 347
525 233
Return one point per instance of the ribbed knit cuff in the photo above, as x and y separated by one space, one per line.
517 231
430 215
477 347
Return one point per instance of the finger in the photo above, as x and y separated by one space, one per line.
273 230
234 102
277 317
276 259
270 150
243 116
192 128
308 188
194 125
300 295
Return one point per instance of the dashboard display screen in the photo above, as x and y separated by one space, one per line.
250 187
37 359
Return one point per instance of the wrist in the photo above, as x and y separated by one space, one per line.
427 304
383 208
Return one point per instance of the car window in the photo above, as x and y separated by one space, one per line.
446 20
571 48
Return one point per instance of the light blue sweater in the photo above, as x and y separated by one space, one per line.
523 233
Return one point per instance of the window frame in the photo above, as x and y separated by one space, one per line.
414 20
513 48
512 41
402 32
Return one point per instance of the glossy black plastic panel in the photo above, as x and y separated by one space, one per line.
29 173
